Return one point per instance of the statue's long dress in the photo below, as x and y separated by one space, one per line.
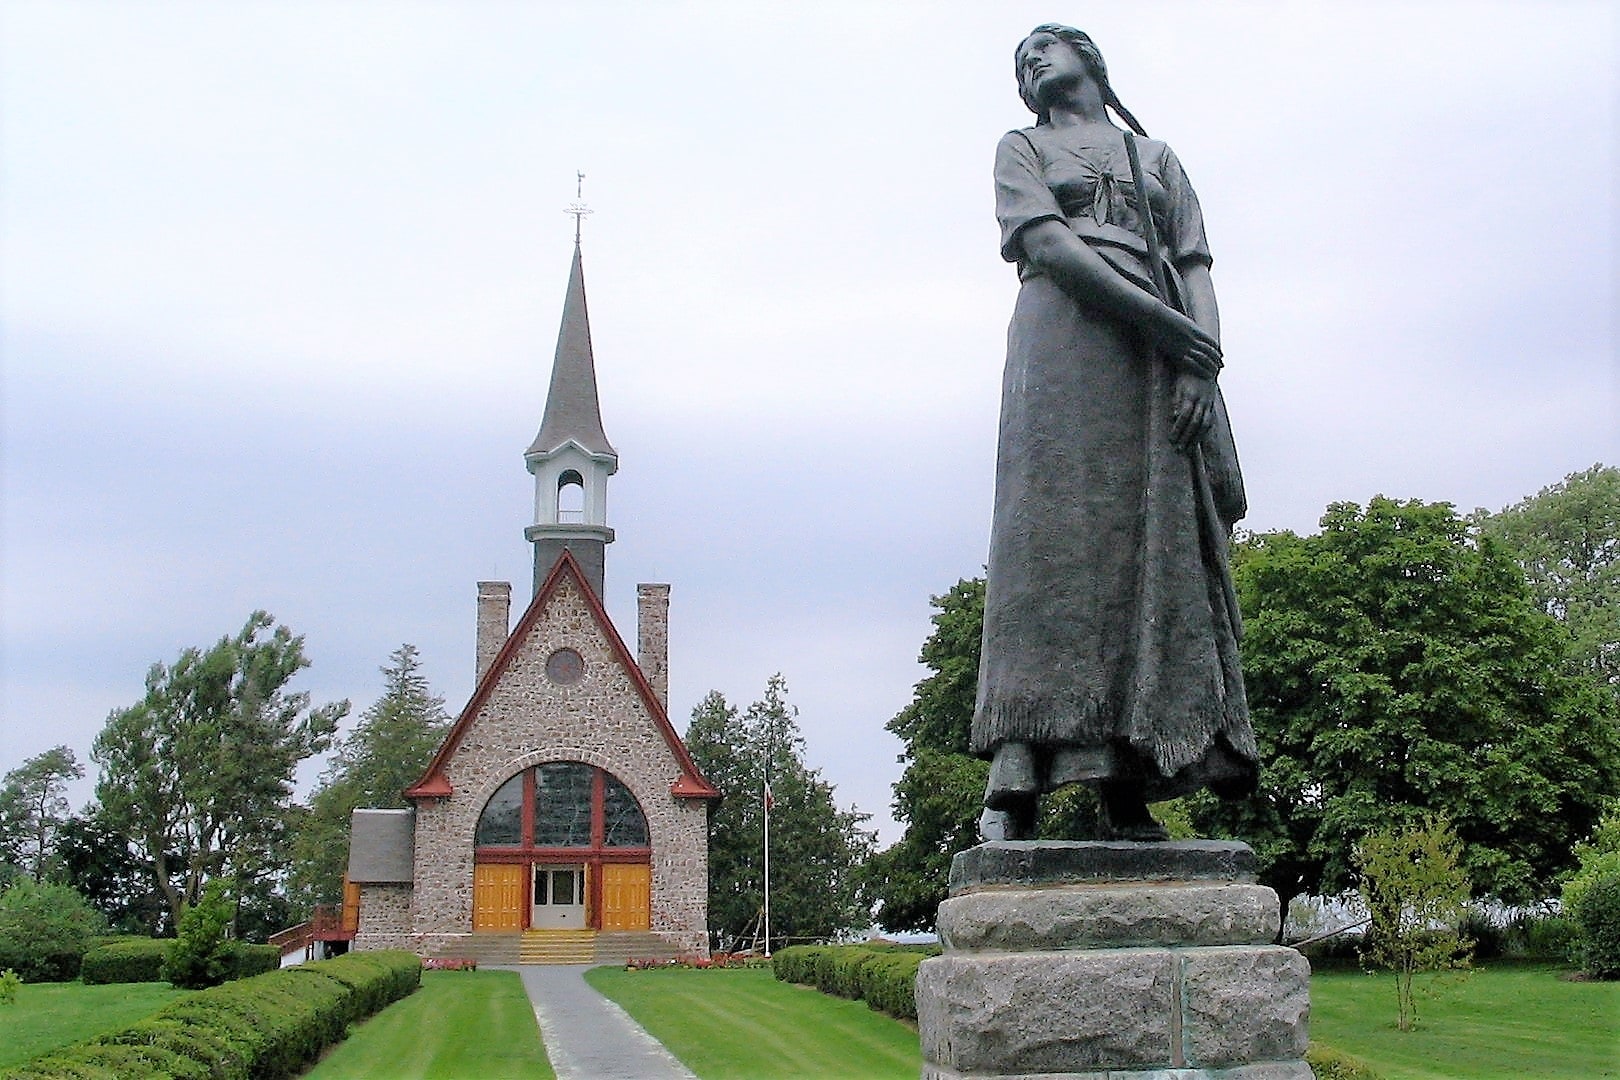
1106 633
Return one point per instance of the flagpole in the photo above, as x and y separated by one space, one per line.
767 866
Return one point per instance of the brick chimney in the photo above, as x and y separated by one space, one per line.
652 638
494 622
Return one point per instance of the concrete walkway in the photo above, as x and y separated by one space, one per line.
587 1036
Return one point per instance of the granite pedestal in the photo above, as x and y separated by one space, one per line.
1099 960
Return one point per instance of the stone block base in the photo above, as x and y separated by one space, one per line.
1057 965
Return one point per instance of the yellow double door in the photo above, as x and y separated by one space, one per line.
498 896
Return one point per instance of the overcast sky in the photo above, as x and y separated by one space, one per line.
280 286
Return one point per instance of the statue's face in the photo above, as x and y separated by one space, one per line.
1046 62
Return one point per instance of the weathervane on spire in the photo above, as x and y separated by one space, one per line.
578 207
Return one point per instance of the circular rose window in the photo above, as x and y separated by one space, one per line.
565 666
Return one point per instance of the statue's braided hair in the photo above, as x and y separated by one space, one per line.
1081 42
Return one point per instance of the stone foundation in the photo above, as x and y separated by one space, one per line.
1108 961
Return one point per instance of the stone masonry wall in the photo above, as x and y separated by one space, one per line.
385 917
528 719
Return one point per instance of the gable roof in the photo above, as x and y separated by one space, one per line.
436 784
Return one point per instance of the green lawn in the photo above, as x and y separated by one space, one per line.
741 1024
1502 1022
48 1015
462 1025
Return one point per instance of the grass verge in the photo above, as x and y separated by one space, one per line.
1502 1022
460 1025
741 1024
48 1015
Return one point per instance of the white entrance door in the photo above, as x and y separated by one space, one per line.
559 898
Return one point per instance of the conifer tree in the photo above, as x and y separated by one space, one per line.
372 766
816 848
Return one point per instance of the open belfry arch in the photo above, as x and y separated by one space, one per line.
562 801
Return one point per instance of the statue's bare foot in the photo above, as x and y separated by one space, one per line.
1125 814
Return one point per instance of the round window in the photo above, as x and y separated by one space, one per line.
565 666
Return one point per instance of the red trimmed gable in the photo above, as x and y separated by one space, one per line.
436 784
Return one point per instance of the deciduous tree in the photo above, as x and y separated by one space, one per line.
816 848
199 773
940 794
1398 665
1416 893
1567 538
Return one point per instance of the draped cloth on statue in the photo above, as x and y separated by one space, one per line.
1106 630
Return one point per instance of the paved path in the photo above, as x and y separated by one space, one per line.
587 1036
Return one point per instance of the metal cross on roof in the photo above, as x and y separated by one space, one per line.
578 207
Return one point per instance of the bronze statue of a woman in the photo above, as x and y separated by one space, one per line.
1110 643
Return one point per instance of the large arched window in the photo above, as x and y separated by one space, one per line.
562 805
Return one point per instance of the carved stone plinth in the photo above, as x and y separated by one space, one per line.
1108 961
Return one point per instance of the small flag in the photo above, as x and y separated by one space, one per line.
770 803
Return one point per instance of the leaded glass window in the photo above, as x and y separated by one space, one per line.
562 804
502 819
623 824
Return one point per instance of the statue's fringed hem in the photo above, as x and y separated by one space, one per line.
1214 746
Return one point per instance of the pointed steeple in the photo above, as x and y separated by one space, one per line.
571 458
572 410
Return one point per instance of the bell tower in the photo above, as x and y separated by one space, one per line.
570 457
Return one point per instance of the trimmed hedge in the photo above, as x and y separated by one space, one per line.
127 960
244 960
884 978
261 1028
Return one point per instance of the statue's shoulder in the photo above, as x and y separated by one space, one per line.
1021 143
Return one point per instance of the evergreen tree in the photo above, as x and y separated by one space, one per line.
372 766
33 809
816 848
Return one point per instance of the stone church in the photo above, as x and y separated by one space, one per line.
562 815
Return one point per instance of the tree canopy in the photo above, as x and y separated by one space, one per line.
816 848
1397 664
33 809
372 766
1567 538
198 775
940 792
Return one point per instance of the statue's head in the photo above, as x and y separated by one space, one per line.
1084 47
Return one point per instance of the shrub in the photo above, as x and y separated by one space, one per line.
1539 936
44 930
10 983
199 957
262 1028
1597 919
1331 1064
125 960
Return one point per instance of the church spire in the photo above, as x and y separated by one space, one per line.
572 409
571 458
